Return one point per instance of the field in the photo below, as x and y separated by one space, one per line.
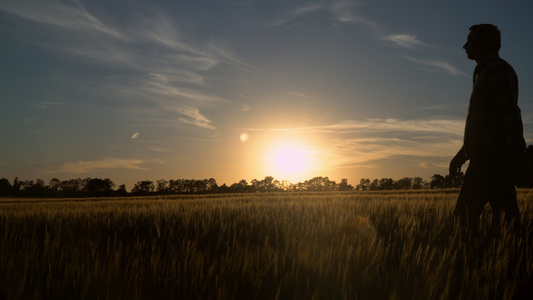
357 245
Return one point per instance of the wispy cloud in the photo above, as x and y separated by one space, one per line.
365 143
291 14
158 96
435 65
405 40
193 116
343 10
69 14
298 94
307 9
453 127
361 143
82 167
152 47
245 107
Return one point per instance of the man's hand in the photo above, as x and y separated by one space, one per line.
457 162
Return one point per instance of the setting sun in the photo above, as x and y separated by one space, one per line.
290 161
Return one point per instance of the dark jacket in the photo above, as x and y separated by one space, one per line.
494 125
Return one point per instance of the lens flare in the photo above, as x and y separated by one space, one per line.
244 137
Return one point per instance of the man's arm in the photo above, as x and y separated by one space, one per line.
457 162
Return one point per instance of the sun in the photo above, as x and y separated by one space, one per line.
290 161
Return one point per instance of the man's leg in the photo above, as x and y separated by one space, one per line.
472 198
504 201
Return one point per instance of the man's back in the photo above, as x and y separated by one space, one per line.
494 125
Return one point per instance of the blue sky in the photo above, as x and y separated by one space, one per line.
147 90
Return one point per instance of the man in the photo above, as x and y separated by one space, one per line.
493 138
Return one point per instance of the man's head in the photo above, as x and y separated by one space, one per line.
484 40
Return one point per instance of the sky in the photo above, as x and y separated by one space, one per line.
243 89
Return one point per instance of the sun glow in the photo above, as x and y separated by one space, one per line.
290 161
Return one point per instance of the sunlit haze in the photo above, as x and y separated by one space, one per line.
233 90
290 161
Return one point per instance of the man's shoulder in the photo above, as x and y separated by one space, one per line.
498 64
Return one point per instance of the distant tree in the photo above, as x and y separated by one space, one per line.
6 189
418 183
173 186
54 187
16 188
98 187
200 186
386 184
268 184
224 189
162 186
265 185
35 189
320 184
344 186
286 185
31 188
121 191
374 185
72 187
143 188
405 183
211 185
363 184
240 187
437 182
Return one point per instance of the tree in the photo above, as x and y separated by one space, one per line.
418 183
121 191
437 182
5 187
162 186
240 187
344 186
320 184
363 184
98 187
143 188
36 188
268 183
404 183
71 187
53 186
16 188
374 185
265 185
444 182
211 185
386 184
285 185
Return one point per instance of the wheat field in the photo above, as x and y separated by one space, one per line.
357 245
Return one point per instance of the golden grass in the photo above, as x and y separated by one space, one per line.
366 245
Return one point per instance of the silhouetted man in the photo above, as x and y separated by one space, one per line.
493 138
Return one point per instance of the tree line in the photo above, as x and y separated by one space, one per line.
407 183
96 187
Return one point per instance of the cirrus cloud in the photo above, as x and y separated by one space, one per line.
82 167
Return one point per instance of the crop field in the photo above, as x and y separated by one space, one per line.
356 245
